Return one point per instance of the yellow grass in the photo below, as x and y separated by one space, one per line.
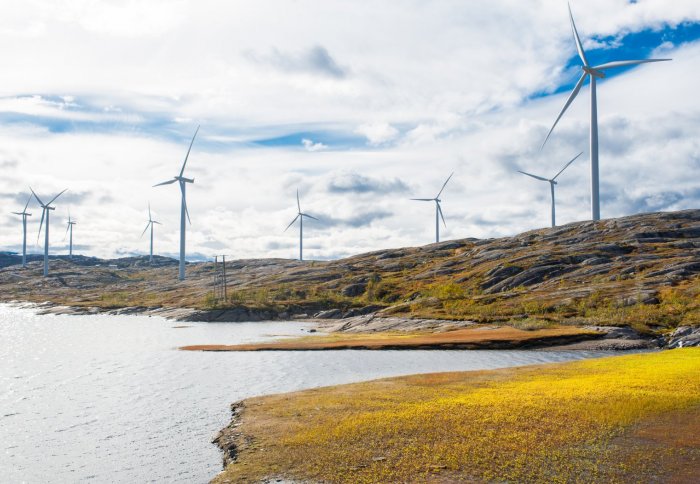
586 421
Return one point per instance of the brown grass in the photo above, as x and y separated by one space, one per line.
469 338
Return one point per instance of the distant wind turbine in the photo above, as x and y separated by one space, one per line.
183 205
24 216
438 209
69 230
592 72
150 224
552 182
46 211
300 216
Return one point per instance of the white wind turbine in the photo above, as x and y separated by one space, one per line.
69 230
183 205
438 210
24 216
46 211
150 224
300 216
592 72
552 182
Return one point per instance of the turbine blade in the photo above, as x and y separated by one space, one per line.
610 65
441 215
568 102
18 213
28 200
54 198
579 46
144 230
41 224
444 185
533 176
37 197
67 229
188 151
309 216
149 212
423 199
566 166
166 182
292 222
155 222
298 203
187 212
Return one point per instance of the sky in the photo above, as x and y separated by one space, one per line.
359 105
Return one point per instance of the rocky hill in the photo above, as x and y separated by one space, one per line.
642 271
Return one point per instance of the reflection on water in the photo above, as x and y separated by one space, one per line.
110 399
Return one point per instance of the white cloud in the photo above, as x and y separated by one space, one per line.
311 146
378 133
433 87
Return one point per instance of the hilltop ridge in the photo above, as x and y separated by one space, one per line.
641 271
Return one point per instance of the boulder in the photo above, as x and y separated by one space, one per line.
329 314
354 290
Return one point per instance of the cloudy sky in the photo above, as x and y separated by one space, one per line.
361 105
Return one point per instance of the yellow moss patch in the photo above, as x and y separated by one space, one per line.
571 422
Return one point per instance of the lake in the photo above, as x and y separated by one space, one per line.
111 399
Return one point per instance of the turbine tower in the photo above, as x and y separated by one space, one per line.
592 72
300 216
24 216
552 182
150 224
183 205
438 210
69 230
46 211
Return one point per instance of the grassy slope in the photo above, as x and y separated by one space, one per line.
632 418
641 270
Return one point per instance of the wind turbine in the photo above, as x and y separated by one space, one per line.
69 229
183 205
150 224
592 72
46 211
24 216
300 216
438 210
552 182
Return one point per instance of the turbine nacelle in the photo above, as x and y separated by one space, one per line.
593 72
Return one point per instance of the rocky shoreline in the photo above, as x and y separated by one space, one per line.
613 338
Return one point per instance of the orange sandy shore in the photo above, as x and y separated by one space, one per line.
469 338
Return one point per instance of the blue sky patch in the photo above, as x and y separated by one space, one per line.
632 46
333 140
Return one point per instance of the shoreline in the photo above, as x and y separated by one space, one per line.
474 338
611 338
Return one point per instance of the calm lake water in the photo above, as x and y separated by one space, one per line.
110 399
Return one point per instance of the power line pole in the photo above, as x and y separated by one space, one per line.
225 282
220 277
